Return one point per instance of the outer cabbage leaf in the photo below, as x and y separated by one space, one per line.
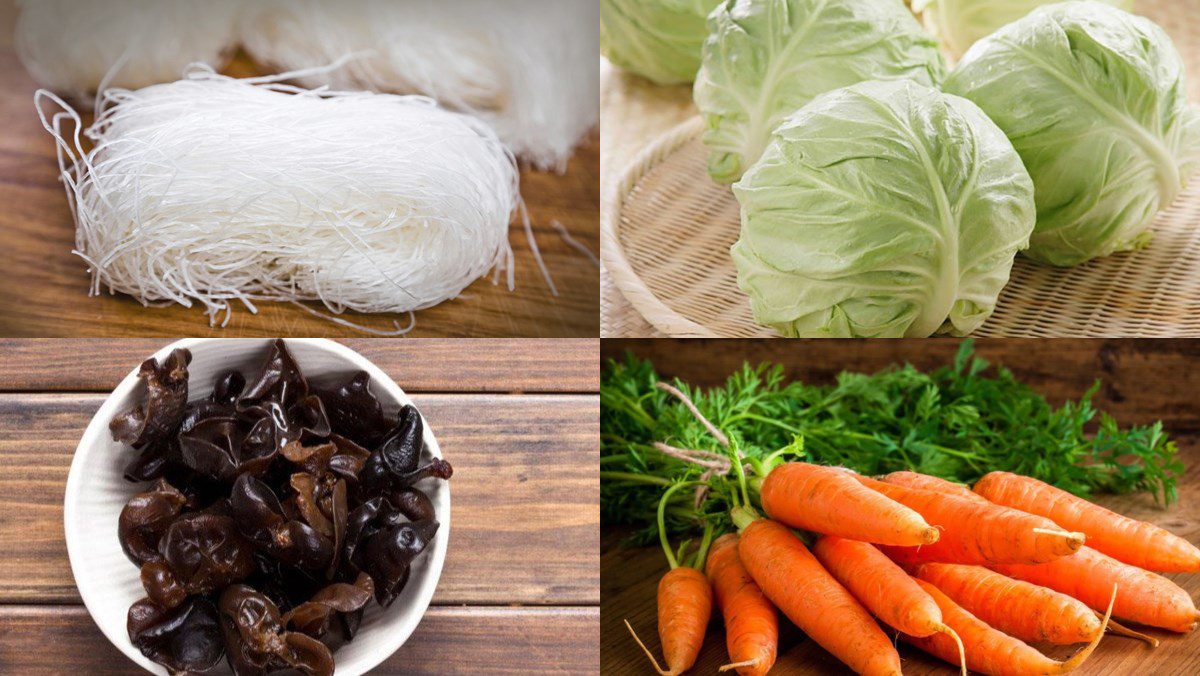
764 59
657 39
1093 99
884 209
958 24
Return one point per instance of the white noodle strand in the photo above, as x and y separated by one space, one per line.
217 191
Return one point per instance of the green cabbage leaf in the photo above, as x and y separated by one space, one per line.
884 209
958 24
764 59
657 39
1093 99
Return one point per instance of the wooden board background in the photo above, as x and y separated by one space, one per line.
1145 380
45 288
520 589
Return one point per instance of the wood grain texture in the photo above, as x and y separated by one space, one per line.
448 641
418 364
46 286
1141 380
629 578
524 490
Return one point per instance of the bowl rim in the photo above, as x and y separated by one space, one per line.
394 638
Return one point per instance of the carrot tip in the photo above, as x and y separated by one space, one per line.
648 653
930 535
735 665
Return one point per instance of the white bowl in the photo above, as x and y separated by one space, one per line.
97 490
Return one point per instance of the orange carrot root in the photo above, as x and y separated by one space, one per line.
830 500
981 533
815 602
931 483
751 622
1130 541
1146 598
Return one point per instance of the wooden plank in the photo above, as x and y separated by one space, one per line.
418 364
629 577
1142 380
46 285
525 496
448 640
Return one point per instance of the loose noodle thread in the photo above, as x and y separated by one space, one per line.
217 191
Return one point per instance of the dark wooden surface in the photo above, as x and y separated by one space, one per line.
1145 380
520 588
46 286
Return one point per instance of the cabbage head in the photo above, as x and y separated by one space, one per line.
657 39
1093 99
958 24
764 59
884 209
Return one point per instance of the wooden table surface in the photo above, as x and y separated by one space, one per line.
1144 381
46 286
520 589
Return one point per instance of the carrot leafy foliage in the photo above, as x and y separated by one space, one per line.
957 422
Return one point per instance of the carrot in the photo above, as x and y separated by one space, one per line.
925 482
829 500
989 650
685 600
1020 609
979 532
804 591
1134 542
1146 598
751 622
881 586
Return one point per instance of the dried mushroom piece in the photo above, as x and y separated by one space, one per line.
145 518
219 404
261 517
159 415
257 641
201 553
396 455
354 411
413 504
387 556
280 394
182 639
316 616
224 448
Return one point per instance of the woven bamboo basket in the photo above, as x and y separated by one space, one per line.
666 239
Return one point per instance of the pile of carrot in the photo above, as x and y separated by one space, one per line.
972 576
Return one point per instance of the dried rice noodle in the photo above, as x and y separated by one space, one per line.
528 67
215 190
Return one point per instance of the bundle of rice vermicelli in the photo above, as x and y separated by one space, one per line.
71 46
215 190
528 67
